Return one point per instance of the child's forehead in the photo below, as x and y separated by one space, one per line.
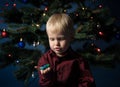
56 30
56 33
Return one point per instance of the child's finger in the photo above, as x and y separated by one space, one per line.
48 69
45 71
42 71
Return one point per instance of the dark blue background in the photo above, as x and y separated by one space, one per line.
104 77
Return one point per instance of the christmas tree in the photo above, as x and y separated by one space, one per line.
23 37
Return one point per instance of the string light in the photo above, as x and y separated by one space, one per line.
98 50
65 10
34 43
46 8
37 25
76 14
91 17
14 5
33 75
17 61
38 43
98 25
44 14
9 55
83 8
100 6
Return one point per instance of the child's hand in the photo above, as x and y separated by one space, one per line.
45 69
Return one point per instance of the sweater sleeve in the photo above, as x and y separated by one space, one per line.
86 79
46 80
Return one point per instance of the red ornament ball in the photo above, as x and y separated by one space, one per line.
4 34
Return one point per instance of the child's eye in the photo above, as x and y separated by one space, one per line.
61 38
51 39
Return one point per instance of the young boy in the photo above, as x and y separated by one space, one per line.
61 66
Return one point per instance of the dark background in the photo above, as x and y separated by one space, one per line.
104 77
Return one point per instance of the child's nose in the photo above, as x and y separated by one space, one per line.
57 42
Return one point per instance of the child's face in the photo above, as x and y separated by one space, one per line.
59 42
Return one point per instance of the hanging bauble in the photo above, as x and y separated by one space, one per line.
21 44
4 33
34 43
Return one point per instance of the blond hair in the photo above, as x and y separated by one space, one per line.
60 22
